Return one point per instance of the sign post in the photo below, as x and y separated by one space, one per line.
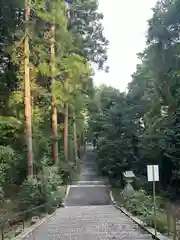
153 176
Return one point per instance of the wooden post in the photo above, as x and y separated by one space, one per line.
154 201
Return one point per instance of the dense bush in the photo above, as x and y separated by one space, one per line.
30 194
1 194
45 188
12 166
51 181
141 205
66 171
161 222
145 119
112 160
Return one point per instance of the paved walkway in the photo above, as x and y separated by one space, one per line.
90 189
88 214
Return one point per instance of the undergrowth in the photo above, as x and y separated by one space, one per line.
141 205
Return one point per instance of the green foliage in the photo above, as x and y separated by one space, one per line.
1 194
86 21
141 126
161 221
77 44
30 194
67 172
114 131
111 159
45 188
51 182
72 82
9 162
141 205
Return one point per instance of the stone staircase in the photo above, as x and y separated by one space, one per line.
90 223
88 213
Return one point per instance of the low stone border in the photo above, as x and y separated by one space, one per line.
138 221
28 232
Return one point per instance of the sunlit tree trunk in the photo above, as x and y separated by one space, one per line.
27 92
55 152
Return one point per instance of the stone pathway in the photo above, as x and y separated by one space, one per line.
90 189
88 213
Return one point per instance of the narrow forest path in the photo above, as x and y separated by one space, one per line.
88 213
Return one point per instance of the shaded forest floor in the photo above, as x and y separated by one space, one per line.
141 205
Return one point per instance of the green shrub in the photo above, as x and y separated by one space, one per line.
101 142
50 183
12 166
50 175
55 198
1 194
141 204
6 163
161 222
2 174
67 172
111 159
45 188
141 182
30 194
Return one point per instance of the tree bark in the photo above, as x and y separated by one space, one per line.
55 151
27 92
66 131
82 149
75 139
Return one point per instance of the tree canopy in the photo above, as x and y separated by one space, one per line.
141 126
45 86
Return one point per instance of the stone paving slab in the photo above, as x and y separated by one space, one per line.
83 196
98 182
90 222
89 178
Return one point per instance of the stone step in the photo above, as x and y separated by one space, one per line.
87 185
84 195
90 182
90 223
89 178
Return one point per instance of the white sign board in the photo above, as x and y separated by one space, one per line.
153 173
